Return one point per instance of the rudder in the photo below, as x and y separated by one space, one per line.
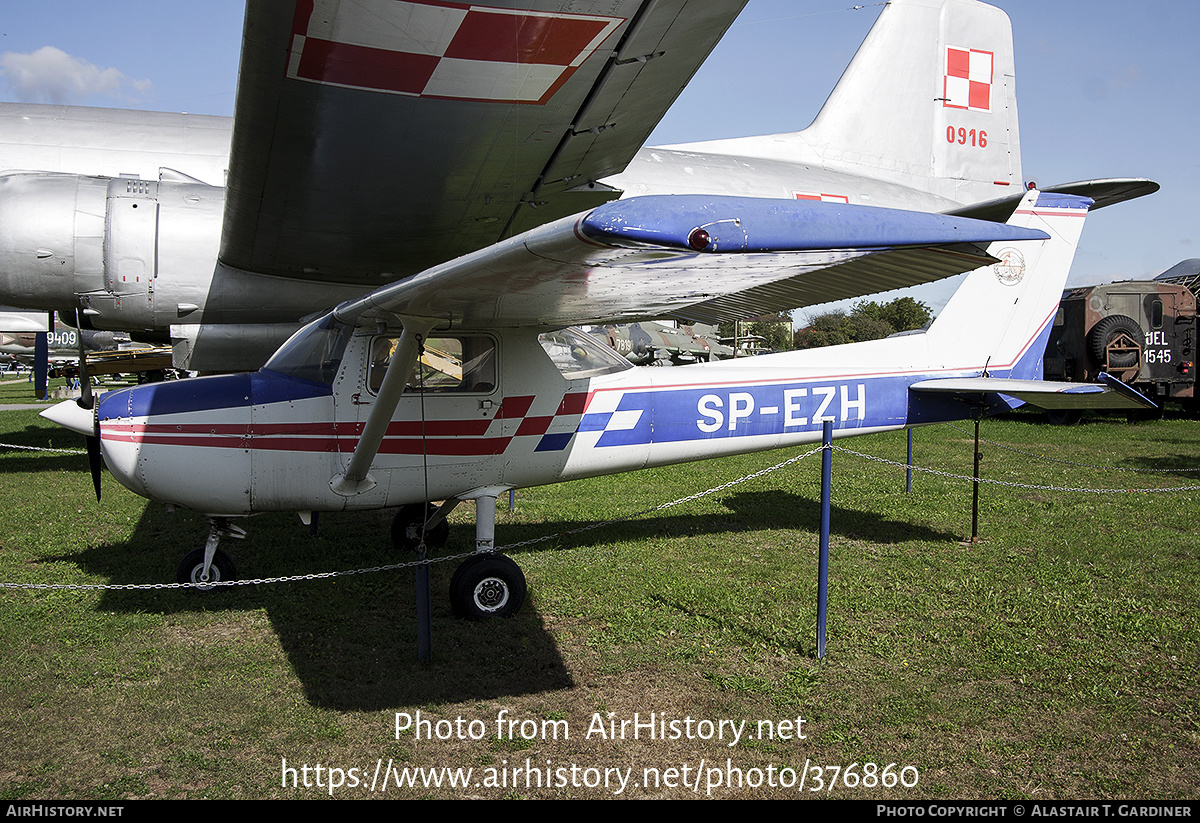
929 102
1001 314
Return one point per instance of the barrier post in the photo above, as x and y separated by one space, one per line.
823 561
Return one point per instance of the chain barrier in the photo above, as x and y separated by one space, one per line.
661 507
1009 483
412 563
41 449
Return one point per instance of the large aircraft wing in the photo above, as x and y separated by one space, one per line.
701 258
377 138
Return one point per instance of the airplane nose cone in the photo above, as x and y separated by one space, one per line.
68 414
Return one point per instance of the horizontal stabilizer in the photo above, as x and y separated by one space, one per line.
1110 393
1102 192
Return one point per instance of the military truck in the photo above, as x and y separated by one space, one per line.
1141 332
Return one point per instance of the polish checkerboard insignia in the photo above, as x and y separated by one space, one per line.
968 79
429 48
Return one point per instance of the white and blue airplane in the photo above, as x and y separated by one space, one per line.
463 183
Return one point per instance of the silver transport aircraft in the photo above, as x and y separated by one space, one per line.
465 184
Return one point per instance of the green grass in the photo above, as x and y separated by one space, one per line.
1056 658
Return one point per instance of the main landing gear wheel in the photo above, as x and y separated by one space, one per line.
487 585
1064 417
190 570
406 528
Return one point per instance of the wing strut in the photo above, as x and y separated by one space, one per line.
356 479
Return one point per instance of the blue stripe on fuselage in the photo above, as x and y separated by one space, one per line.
680 415
207 393
677 415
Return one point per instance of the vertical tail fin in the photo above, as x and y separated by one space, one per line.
929 101
1001 314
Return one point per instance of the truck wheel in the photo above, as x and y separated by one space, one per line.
1108 332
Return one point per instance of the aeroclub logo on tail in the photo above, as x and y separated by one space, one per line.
1011 268
967 83
427 48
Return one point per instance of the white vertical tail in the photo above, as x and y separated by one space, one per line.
929 101
1000 315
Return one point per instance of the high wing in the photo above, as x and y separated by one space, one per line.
378 138
701 258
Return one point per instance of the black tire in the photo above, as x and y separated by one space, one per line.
1063 417
222 569
1105 332
1144 415
486 586
406 528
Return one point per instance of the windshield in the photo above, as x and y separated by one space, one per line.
577 354
313 353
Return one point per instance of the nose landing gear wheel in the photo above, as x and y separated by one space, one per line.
487 585
190 570
407 524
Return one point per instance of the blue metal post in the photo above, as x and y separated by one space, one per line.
823 562
424 611
908 471
41 364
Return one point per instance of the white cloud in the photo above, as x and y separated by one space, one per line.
50 75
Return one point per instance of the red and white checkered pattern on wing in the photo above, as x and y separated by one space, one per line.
821 197
426 48
968 79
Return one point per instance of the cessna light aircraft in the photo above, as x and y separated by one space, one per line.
341 418
447 172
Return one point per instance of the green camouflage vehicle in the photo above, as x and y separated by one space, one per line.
1141 332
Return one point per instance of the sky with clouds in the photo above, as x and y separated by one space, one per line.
1105 88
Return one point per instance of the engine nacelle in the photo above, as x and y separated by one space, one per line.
134 254
51 239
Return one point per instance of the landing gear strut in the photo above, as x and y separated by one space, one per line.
209 565
413 520
488 584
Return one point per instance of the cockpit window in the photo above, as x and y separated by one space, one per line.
313 353
577 354
448 364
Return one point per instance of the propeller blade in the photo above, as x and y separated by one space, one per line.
95 460
87 401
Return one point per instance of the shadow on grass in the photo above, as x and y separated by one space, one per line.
351 640
747 511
